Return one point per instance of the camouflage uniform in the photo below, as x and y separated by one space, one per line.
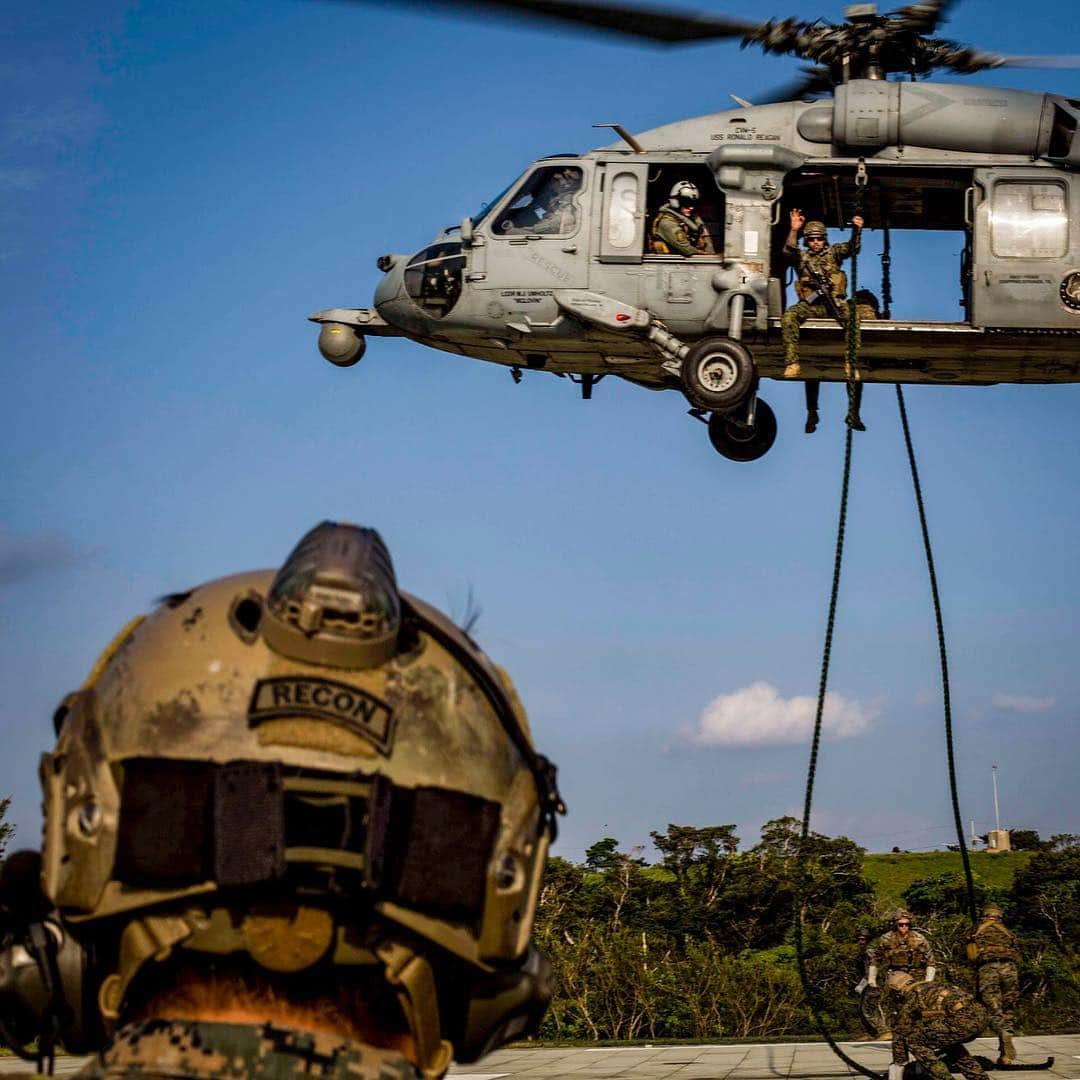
896 952
993 949
827 263
206 1051
937 1018
673 233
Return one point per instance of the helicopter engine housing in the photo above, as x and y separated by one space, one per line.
871 114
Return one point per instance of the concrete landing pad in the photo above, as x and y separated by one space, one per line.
758 1061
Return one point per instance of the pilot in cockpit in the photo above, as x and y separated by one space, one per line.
553 211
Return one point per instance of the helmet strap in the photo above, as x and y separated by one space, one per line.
412 978
149 938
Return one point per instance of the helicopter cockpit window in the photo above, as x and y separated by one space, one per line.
485 209
1029 220
433 278
545 205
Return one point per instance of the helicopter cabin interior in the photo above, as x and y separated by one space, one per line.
895 203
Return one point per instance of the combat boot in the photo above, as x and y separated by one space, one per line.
811 421
854 421
1008 1051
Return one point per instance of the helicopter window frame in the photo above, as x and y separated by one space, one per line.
1030 231
532 185
621 221
713 209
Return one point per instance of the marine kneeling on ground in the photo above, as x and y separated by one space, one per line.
932 1024
242 882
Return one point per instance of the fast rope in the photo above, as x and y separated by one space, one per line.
853 343
942 653
802 890
886 300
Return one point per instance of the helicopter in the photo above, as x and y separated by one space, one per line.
559 273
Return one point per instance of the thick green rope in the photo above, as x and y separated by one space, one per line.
942 653
804 843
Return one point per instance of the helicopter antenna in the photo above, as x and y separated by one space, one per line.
625 136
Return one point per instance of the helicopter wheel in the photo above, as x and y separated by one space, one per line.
717 374
737 440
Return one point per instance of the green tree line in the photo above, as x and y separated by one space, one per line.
698 944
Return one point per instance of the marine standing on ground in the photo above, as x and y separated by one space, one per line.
994 951
935 1018
296 823
823 260
900 949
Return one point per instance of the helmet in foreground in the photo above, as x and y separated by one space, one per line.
317 771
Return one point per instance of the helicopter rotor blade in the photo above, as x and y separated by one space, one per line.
815 81
960 58
1062 63
664 25
922 17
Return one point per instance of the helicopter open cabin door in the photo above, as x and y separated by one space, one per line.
538 237
1026 248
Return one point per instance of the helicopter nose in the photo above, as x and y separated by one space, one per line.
392 283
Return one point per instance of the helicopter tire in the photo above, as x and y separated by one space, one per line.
717 374
738 441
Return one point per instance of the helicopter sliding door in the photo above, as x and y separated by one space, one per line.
538 237
1026 248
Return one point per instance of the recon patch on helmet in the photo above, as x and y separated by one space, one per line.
348 706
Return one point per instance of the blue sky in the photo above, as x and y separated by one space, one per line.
181 184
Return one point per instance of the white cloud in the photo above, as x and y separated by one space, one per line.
1021 704
758 716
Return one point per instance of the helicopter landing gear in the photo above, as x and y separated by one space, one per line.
745 434
717 374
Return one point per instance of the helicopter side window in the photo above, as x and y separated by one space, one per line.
622 211
705 231
1029 220
545 205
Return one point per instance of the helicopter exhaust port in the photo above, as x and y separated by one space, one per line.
342 345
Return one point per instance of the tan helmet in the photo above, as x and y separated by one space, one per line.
312 768
900 981
992 911
815 228
901 913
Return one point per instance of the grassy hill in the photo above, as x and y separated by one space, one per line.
892 874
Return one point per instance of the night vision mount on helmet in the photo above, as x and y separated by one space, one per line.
309 768
580 292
